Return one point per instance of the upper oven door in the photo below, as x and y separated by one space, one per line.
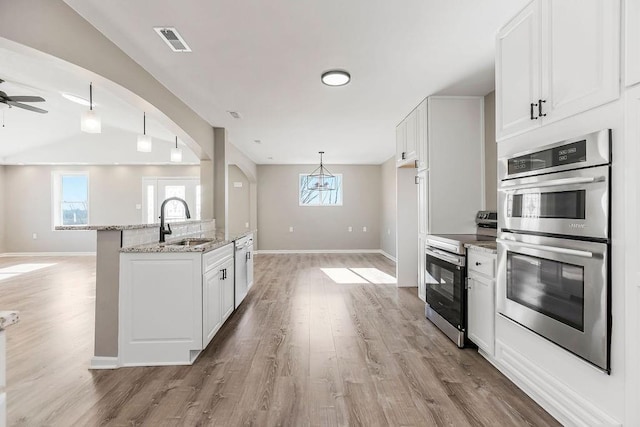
558 288
573 203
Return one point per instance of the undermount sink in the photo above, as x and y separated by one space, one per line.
190 242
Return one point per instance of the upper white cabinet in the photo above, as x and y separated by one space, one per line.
407 140
548 68
518 73
632 42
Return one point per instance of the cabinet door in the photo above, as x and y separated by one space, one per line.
211 306
481 312
412 135
423 202
422 266
401 142
422 153
632 41
580 64
249 267
228 290
518 73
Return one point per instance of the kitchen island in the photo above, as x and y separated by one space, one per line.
110 239
174 297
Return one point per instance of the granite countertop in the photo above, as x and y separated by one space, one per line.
8 318
125 227
489 247
217 242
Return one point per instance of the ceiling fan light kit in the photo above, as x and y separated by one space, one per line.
176 153
336 77
90 121
144 141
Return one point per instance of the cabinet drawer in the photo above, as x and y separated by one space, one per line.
482 262
210 259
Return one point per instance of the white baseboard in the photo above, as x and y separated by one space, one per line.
392 258
102 362
26 254
555 397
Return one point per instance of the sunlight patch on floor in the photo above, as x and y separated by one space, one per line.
17 270
350 276
375 276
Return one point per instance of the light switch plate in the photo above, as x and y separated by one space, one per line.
138 206
237 184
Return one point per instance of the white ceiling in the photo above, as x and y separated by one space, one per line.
263 59
55 137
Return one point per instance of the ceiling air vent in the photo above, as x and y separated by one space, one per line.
234 114
173 39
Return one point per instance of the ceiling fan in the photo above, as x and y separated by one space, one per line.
17 101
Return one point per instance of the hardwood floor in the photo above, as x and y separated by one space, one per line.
300 350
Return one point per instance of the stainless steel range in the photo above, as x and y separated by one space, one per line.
554 249
447 275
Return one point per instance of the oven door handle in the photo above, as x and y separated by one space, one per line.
563 251
508 186
438 244
444 257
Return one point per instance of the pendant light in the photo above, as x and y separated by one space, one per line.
90 121
321 179
176 153
144 140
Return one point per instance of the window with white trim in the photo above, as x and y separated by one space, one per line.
70 198
308 196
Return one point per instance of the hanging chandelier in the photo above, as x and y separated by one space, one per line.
321 179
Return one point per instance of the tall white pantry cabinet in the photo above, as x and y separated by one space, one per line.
448 175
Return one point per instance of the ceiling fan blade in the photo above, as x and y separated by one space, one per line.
27 107
26 98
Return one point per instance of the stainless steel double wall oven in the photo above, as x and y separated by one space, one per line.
554 245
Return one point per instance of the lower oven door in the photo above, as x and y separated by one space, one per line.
558 288
445 281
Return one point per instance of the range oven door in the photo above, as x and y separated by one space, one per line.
445 280
573 203
558 288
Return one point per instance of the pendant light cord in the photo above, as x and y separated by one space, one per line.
90 96
176 142
144 123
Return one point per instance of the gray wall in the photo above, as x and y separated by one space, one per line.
114 192
490 153
388 210
239 206
317 228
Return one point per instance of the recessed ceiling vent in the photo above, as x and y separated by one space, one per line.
234 114
173 39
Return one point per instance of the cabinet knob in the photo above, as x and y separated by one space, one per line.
478 263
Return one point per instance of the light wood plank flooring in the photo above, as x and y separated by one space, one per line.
301 350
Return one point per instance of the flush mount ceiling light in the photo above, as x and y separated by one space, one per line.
90 121
176 153
321 179
75 98
144 140
336 78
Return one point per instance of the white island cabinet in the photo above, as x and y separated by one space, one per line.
172 304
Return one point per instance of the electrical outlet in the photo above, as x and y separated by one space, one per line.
35 236
246 225
364 229
388 231
290 229
138 206
350 229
